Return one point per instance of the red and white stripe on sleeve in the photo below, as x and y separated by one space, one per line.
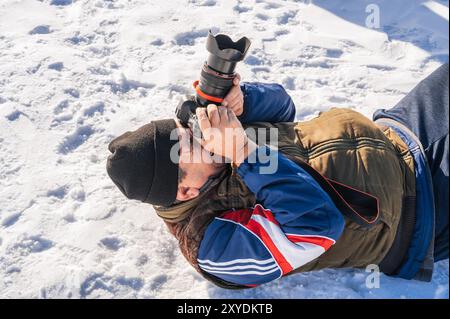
290 251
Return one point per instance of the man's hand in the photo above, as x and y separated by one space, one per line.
223 133
235 99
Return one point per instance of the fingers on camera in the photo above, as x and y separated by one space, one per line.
234 102
234 93
203 120
213 114
232 115
223 111
237 79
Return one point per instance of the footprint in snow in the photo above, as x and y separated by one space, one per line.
241 9
13 269
271 5
142 260
204 3
14 115
78 39
109 284
75 140
95 282
57 66
286 17
188 38
262 16
11 219
61 2
281 32
158 42
72 92
59 192
134 283
253 60
112 243
61 106
31 244
97 107
41 29
157 282
334 53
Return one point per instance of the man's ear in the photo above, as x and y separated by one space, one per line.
187 193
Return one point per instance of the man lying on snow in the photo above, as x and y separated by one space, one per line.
346 192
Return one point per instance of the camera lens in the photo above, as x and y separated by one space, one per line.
216 78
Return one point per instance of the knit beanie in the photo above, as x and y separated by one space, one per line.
140 163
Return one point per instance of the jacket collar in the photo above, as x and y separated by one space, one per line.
177 212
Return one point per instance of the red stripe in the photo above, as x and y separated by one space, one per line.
257 229
259 210
320 241
243 217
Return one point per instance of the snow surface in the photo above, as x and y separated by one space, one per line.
76 74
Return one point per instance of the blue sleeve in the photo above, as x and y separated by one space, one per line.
292 194
266 102
294 222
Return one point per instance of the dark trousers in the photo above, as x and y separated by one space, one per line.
425 112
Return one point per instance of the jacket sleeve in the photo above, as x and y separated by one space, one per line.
266 102
294 222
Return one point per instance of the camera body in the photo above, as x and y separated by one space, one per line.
216 77
185 112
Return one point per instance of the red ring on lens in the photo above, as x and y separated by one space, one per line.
204 95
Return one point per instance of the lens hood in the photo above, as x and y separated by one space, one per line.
224 52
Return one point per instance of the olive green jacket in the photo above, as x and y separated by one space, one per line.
342 145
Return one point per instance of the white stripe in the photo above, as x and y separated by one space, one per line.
257 237
318 236
243 272
296 254
240 267
235 261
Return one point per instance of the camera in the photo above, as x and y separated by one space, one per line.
216 77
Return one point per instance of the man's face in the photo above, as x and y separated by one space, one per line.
196 165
